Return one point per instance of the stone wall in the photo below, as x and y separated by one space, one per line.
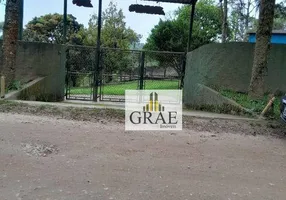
229 66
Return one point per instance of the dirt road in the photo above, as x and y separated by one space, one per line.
52 159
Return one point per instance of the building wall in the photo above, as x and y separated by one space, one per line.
275 39
229 66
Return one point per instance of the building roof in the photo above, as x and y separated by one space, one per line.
280 32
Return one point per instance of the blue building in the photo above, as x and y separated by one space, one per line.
278 37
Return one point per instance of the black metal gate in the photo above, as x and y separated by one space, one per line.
80 62
120 70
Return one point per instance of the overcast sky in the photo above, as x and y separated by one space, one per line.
141 23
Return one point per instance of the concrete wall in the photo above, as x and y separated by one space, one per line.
229 66
42 60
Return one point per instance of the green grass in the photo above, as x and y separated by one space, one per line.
119 89
256 106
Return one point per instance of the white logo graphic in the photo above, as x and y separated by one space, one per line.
153 110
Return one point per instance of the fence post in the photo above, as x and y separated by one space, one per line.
142 67
2 87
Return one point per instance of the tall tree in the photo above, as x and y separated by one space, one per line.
262 47
280 16
279 22
10 37
241 18
172 34
115 34
49 28
224 9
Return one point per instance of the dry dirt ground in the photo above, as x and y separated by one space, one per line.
53 157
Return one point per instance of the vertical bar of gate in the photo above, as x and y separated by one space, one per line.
96 76
142 66
67 72
67 84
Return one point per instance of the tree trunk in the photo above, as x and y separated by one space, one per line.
10 38
247 15
247 20
224 22
262 47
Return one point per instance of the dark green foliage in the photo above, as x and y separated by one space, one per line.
115 35
172 34
255 106
279 22
15 85
49 28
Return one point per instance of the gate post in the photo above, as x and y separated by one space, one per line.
183 70
142 67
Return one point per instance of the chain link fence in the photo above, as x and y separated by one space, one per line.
163 70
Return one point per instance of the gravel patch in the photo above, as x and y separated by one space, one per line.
39 150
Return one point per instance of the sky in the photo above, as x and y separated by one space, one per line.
141 23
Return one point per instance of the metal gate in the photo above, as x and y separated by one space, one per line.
80 62
120 70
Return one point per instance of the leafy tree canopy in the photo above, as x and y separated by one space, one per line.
279 22
280 16
49 28
242 18
172 34
115 34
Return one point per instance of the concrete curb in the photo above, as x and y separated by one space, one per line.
121 106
